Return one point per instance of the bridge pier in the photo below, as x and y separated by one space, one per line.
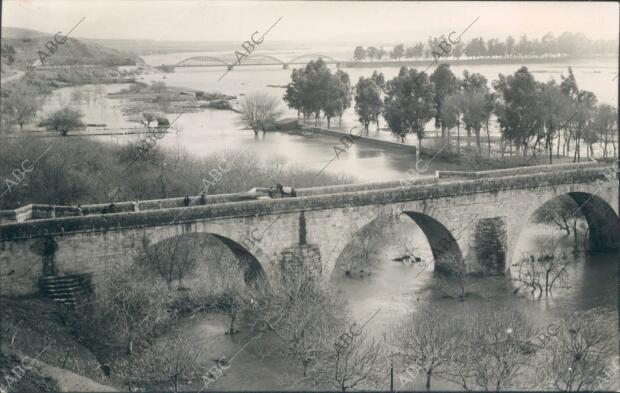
488 246
301 261
285 66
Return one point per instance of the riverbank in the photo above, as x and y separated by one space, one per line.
454 61
41 329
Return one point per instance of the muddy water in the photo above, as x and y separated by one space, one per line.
393 289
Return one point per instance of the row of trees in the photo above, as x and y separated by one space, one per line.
567 43
491 349
315 90
531 115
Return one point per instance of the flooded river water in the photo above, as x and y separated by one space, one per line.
388 286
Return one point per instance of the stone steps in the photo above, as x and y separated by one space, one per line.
68 289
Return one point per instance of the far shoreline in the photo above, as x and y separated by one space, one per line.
484 61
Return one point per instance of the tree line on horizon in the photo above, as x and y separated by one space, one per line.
567 44
531 115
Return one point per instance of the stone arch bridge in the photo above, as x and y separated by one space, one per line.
477 216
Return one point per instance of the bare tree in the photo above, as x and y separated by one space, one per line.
231 292
409 253
360 364
172 259
126 308
577 356
490 352
541 274
174 357
426 338
364 248
259 110
303 315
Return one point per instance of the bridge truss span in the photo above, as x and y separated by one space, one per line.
252 60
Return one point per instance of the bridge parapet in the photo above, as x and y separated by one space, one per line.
38 212
325 190
162 217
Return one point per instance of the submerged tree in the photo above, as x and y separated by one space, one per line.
542 273
450 115
519 110
409 104
367 101
314 89
603 125
562 212
259 111
63 121
365 246
338 96
445 84
555 111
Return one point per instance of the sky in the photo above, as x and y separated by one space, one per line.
303 21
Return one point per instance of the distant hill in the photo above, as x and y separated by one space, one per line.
20 47
150 47
19 33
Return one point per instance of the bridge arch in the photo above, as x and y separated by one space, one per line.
447 255
200 59
446 251
313 56
259 60
600 216
231 238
